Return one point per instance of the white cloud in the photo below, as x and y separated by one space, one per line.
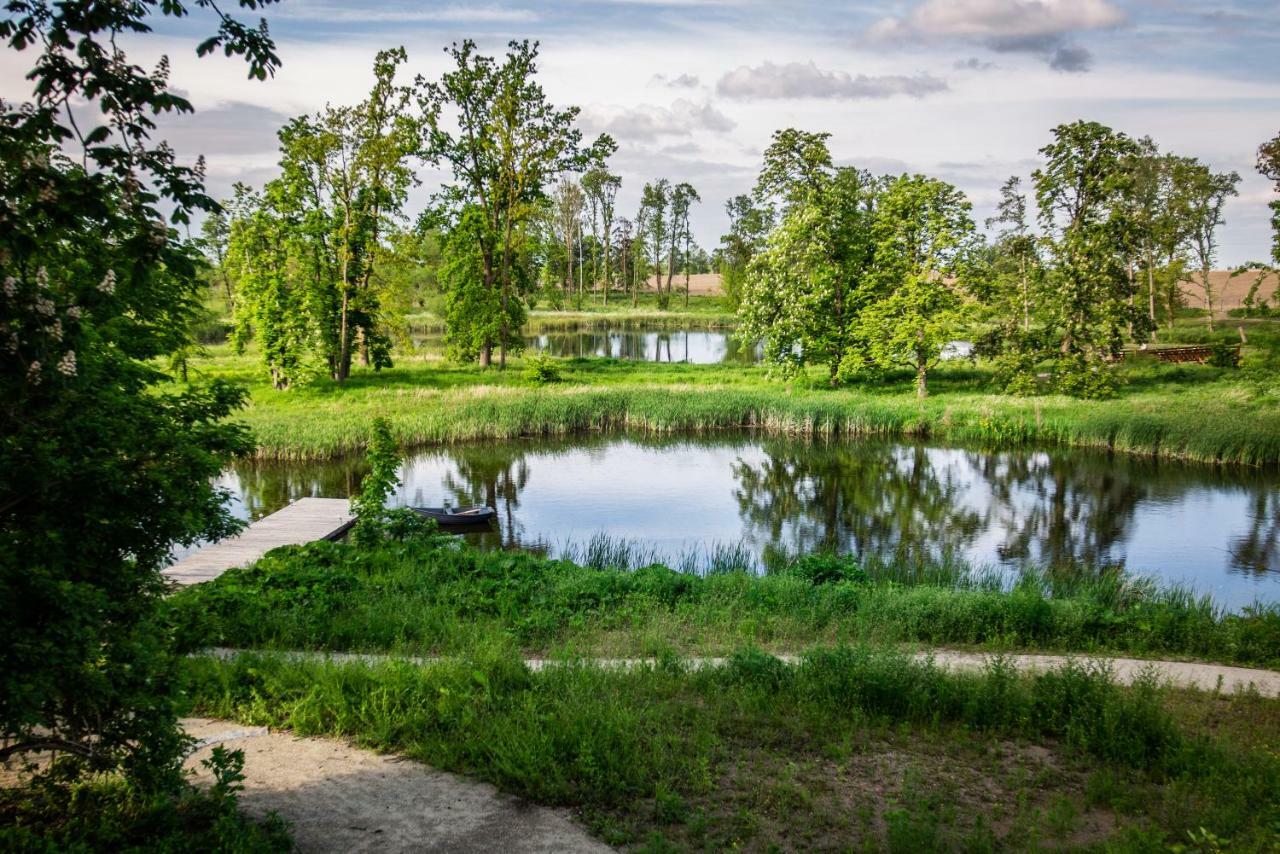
1041 27
647 122
1001 19
806 80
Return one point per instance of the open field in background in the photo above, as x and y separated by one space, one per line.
1230 290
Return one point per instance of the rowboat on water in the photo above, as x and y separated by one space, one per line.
459 516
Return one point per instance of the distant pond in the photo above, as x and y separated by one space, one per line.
1215 529
695 346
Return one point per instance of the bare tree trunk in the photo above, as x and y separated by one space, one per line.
922 383
486 355
1208 294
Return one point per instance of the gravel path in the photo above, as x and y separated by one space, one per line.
1183 674
340 798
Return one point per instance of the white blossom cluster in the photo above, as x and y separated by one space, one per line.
50 323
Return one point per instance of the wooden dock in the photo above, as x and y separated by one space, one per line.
305 520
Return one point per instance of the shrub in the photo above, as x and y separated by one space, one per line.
541 369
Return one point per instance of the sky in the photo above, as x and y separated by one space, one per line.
963 90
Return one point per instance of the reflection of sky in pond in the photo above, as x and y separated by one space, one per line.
1217 530
697 347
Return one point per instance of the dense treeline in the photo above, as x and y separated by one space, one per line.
321 265
861 274
826 265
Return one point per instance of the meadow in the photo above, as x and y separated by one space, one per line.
860 745
1187 412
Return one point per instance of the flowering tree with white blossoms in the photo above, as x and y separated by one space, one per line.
105 463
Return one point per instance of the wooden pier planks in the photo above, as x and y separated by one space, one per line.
303 521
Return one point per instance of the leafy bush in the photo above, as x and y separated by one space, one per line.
1224 355
110 814
541 369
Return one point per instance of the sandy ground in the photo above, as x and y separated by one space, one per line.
340 798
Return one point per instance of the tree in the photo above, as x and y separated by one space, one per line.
1089 300
97 289
274 301
346 175
748 225
655 227
797 166
476 318
215 233
1269 167
1207 193
493 126
601 188
803 292
921 231
683 196
567 221
1016 244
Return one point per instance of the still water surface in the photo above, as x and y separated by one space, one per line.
1217 530
695 346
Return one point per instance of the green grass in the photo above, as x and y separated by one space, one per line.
1177 412
853 749
430 595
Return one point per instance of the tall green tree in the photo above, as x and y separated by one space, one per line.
748 225
1269 167
654 221
568 201
683 198
274 277
491 124
601 188
103 465
921 232
1090 296
346 174
804 291
1207 193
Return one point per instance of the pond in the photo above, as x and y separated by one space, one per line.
695 346
680 498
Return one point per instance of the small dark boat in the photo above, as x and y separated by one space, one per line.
460 516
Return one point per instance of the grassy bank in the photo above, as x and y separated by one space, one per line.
428 596
1175 412
854 749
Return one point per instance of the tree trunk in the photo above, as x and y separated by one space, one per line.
486 355
1208 294
922 382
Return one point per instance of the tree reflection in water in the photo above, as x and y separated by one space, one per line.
865 498
779 497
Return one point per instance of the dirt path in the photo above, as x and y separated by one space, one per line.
1182 674
341 798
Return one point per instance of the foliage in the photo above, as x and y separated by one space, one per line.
370 505
110 814
541 370
509 140
1079 193
805 289
476 318
661 747
305 253
1269 167
97 291
921 231
430 596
